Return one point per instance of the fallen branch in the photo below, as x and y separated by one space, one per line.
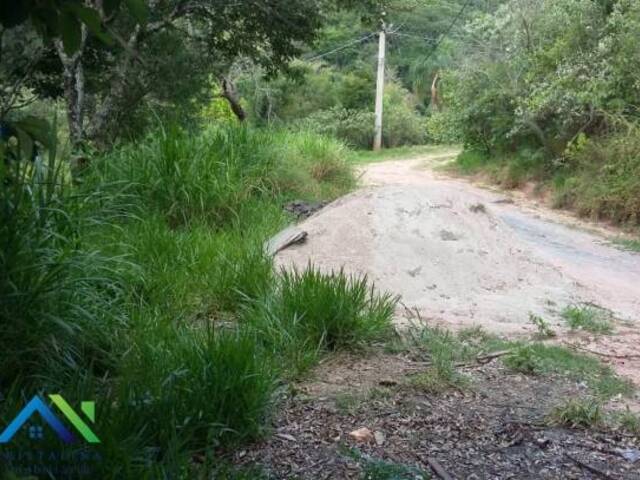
601 354
438 469
484 359
492 356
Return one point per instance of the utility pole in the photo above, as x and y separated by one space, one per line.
377 141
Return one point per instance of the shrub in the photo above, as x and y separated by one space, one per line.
402 124
614 163
442 127
354 127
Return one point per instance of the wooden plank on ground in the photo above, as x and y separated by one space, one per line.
287 237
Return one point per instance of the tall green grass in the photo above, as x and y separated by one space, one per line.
310 313
217 176
143 285
53 289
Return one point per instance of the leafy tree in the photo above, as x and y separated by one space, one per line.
103 84
539 73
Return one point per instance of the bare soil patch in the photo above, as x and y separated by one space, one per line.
497 429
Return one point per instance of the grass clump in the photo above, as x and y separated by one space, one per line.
348 403
543 327
588 318
207 386
443 350
406 152
632 245
215 176
525 359
310 312
629 422
435 380
578 413
54 288
539 359
386 470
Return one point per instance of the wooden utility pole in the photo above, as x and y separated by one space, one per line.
377 141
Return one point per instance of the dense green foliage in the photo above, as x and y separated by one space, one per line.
144 285
331 88
550 89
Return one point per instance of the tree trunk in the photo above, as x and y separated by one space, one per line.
74 89
435 98
230 93
74 96
102 120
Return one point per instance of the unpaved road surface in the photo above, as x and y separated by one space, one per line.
464 256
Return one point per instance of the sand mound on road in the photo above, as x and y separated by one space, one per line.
442 250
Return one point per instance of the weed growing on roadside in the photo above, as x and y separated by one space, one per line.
434 381
443 349
544 328
379 394
310 312
578 413
347 403
386 470
629 421
127 285
525 359
588 318
628 244
538 359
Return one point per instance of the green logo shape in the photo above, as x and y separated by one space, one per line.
88 408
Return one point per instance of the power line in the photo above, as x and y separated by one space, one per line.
453 22
418 37
342 47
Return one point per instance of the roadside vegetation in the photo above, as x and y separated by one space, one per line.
588 318
446 354
144 284
630 244
523 100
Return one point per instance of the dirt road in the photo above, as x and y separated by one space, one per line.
463 255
